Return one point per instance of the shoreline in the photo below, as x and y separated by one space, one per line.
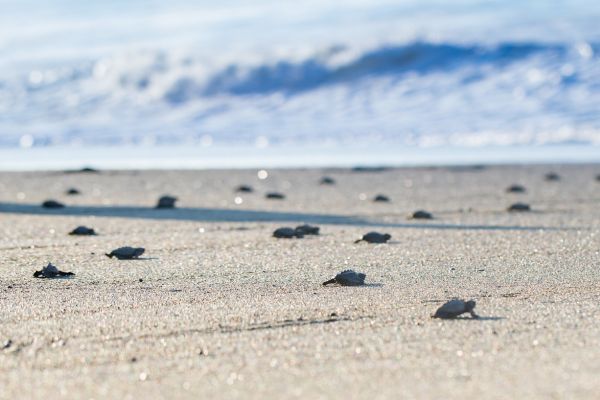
244 157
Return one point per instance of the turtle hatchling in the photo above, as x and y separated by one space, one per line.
72 192
275 196
244 189
52 204
287 233
308 229
375 237
454 308
552 176
347 278
515 189
327 180
381 198
126 253
519 207
50 271
166 202
421 214
83 231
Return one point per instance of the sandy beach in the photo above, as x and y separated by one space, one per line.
218 308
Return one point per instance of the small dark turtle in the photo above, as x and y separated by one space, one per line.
72 192
126 253
598 178
347 278
287 233
327 180
519 207
50 271
375 237
381 198
421 214
52 204
244 189
515 189
361 168
83 231
166 202
454 308
308 229
275 196
552 176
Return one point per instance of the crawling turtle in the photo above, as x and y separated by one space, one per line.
83 231
126 253
275 196
72 192
515 189
50 271
166 202
552 176
287 233
244 189
327 180
347 278
519 207
308 229
421 214
454 308
52 204
381 198
375 237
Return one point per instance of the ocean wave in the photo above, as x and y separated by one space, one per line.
422 93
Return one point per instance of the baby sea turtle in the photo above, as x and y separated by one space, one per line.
308 229
347 278
244 189
421 214
515 189
275 196
83 231
381 198
72 192
519 207
126 253
166 202
327 180
50 271
598 178
52 204
287 233
375 237
552 176
454 308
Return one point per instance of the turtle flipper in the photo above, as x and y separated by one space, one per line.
329 282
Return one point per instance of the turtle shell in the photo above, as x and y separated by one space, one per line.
126 253
83 231
454 308
287 233
166 202
376 237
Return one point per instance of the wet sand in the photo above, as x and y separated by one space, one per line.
218 308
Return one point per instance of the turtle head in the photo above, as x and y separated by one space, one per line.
387 236
138 252
470 305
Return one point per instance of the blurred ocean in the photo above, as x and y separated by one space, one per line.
266 73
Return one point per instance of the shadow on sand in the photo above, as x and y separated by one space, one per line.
229 215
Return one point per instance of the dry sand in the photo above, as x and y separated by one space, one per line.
226 311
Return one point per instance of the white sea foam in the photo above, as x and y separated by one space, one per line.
464 73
